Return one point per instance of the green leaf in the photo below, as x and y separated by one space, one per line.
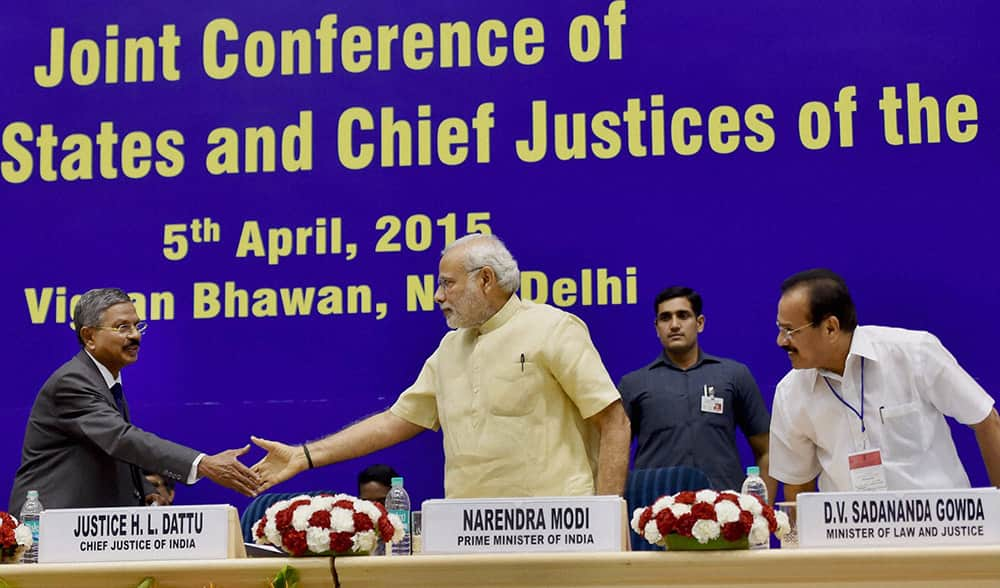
287 577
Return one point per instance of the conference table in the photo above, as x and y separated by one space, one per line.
793 568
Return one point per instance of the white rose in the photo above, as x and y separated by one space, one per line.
784 526
301 516
323 502
652 533
365 541
318 540
727 512
271 532
636 515
679 509
274 508
368 508
662 503
751 504
705 530
342 520
759 532
708 496
22 534
397 524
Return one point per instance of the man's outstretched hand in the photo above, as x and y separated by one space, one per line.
281 462
226 470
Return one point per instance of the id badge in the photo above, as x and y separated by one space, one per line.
867 473
712 404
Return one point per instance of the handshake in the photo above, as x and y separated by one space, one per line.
281 463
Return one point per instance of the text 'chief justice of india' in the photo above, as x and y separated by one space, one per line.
523 401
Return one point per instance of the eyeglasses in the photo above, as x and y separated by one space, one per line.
786 333
126 329
447 284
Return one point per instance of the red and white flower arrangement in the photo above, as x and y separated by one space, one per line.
327 524
707 515
15 538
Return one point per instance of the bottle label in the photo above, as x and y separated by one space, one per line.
33 525
404 516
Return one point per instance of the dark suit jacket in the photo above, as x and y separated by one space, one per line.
78 447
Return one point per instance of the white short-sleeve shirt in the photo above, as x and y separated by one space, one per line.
911 382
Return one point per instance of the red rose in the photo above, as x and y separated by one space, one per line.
704 511
283 519
729 497
385 528
772 522
320 519
686 497
295 542
259 531
362 522
348 504
665 521
341 542
684 524
746 519
733 531
647 514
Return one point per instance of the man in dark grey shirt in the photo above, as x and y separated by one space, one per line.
686 404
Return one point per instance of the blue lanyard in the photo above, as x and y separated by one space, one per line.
861 415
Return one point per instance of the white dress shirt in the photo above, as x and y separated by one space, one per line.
910 383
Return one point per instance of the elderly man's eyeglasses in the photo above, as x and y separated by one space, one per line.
447 284
126 329
786 333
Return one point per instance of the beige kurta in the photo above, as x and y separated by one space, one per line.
511 399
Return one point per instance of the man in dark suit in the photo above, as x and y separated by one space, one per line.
80 448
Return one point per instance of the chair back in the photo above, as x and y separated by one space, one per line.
645 486
258 505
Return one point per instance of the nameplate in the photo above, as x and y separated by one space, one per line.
904 518
134 533
518 525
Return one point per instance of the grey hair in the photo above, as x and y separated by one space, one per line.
92 305
488 250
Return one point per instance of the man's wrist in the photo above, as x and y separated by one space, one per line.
308 456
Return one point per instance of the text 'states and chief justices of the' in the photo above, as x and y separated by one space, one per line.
527 408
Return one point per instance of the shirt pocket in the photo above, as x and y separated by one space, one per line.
904 435
515 388
722 420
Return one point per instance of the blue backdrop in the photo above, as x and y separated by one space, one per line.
721 145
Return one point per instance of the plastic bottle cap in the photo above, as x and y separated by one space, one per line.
32 494
753 471
397 481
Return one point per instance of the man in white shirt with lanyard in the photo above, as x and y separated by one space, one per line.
863 407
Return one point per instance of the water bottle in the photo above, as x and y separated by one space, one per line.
397 502
755 486
29 516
